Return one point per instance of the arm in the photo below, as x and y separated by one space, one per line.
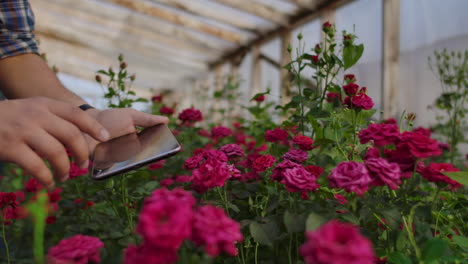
27 75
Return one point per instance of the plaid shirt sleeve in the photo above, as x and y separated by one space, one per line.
16 28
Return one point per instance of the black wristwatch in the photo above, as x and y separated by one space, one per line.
85 107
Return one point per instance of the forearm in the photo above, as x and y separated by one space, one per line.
28 75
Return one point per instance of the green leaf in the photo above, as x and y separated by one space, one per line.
459 176
293 223
398 258
351 55
314 221
259 234
433 250
131 93
103 72
461 241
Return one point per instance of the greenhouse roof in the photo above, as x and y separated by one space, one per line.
164 41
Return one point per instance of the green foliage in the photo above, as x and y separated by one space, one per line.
117 89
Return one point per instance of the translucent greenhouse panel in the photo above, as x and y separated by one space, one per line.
271 76
427 25
364 18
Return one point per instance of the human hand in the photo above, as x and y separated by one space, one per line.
36 128
123 121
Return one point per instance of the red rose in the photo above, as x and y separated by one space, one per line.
362 101
303 142
166 110
220 132
211 174
276 135
333 97
315 59
419 145
349 78
260 98
351 89
281 167
157 98
191 115
314 170
380 134
434 173
263 162
327 25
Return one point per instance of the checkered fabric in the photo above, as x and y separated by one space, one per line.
16 28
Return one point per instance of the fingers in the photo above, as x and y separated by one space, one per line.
72 138
34 165
52 150
82 120
146 120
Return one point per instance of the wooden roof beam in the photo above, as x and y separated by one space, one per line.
196 8
195 49
258 9
309 4
295 22
184 21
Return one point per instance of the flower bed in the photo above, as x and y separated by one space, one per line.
328 185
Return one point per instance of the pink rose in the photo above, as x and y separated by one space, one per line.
278 171
215 154
425 131
263 162
79 249
380 134
351 176
337 243
299 179
193 162
296 155
220 132
191 115
276 135
232 150
303 142
434 173
165 219
211 174
384 172
419 145
147 254
215 231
